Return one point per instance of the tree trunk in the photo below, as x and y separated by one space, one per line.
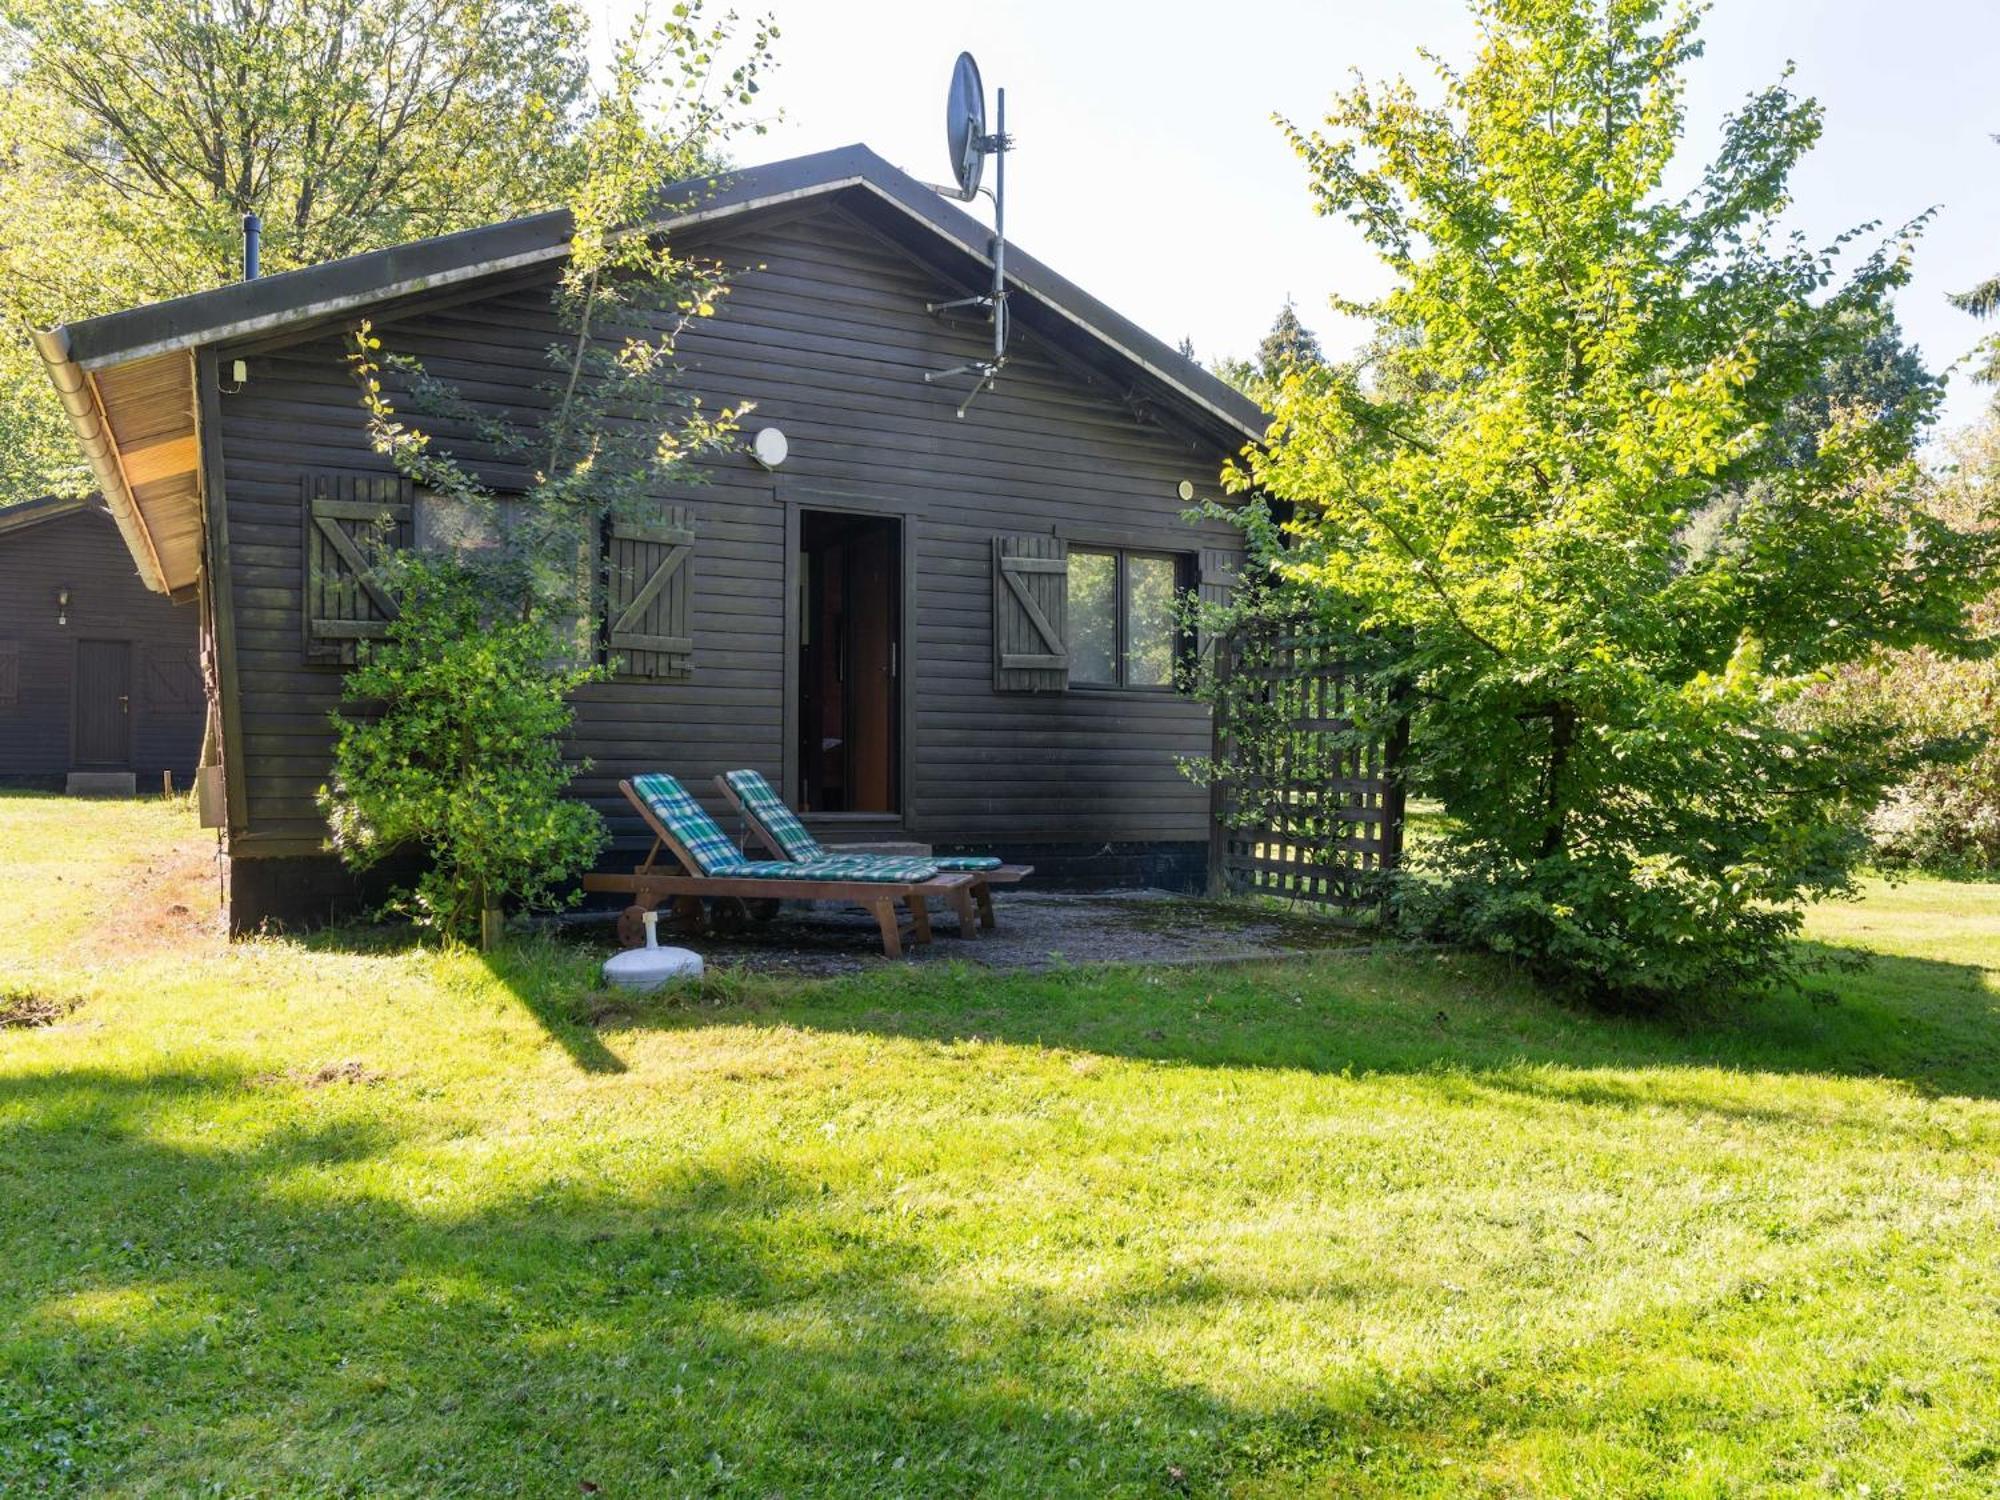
1562 735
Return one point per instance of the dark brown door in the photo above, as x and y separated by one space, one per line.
850 702
103 706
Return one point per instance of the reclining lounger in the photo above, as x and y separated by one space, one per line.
710 865
778 828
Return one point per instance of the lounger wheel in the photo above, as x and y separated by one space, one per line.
632 926
764 910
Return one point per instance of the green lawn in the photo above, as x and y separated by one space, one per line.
322 1218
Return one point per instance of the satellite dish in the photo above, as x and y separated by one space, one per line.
965 124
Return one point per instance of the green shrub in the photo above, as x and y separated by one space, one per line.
1589 468
450 746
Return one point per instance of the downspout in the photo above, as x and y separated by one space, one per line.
86 419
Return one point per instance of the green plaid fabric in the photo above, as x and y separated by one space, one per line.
715 856
776 823
956 862
877 870
780 827
668 800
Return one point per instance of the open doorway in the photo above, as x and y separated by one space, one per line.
850 690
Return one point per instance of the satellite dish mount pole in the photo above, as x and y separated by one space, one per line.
966 120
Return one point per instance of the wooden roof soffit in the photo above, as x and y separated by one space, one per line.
162 535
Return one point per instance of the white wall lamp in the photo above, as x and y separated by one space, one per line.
62 605
769 447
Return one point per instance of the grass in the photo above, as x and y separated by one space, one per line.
338 1217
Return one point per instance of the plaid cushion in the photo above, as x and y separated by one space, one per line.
775 823
876 869
780 827
710 847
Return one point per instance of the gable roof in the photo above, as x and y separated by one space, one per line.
44 508
126 379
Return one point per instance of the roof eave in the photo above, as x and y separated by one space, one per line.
87 421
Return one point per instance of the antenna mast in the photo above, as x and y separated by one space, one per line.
970 145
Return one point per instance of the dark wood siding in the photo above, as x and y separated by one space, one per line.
825 330
82 550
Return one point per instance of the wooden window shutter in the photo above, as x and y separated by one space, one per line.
173 680
1220 568
649 583
350 521
1030 614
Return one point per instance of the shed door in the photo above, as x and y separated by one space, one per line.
103 705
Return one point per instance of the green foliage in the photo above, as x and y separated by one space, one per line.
610 425
1940 711
134 134
465 760
1290 345
1983 301
1571 365
450 746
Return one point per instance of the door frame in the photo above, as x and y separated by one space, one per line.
904 513
76 699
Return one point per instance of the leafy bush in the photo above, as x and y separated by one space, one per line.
1572 367
1940 711
451 745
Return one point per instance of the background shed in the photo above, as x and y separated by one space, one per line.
100 679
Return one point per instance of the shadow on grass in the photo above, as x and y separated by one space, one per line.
273 1313
296 1312
1931 1025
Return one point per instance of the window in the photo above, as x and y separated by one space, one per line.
445 523
1124 629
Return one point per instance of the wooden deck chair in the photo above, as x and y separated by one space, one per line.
779 830
709 865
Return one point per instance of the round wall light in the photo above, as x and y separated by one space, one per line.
1185 489
769 447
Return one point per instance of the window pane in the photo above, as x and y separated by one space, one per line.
446 524
1093 617
1151 632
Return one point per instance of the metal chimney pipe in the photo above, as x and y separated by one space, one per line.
253 235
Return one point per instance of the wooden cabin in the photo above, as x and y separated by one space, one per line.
100 682
922 626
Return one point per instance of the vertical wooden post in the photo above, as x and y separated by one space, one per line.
1219 761
1394 797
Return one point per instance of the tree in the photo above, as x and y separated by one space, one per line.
1289 345
1983 301
1941 710
503 627
1570 364
134 134
455 748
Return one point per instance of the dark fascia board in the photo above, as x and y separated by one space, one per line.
47 508
269 303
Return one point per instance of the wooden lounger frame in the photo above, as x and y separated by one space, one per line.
983 881
654 882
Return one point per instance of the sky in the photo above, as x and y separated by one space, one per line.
1148 171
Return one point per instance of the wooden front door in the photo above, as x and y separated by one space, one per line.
850 707
103 699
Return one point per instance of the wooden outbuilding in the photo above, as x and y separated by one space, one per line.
100 681
950 629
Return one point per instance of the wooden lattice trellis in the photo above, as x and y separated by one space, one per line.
1305 800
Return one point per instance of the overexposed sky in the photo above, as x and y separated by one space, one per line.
1147 169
